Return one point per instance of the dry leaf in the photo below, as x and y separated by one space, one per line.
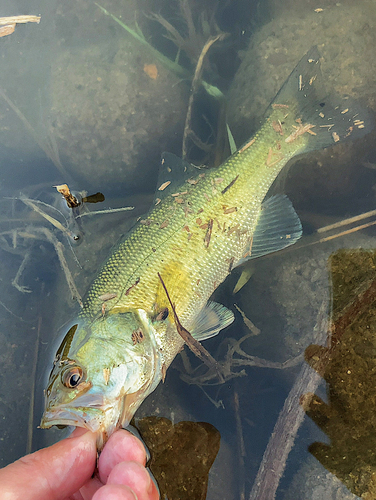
151 70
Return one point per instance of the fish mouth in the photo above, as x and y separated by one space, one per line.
68 416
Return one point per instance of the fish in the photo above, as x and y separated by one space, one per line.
203 224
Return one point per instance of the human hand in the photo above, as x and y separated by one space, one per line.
64 471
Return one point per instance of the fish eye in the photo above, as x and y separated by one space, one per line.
72 377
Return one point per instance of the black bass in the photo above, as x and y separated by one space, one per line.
203 224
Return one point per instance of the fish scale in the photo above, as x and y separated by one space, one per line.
136 259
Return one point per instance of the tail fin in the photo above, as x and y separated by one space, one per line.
333 118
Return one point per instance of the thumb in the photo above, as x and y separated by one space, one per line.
53 473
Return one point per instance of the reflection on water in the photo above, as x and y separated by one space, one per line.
348 367
85 87
177 450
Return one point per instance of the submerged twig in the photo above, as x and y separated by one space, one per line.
21 288
289 421
230 363
241 446
50 149
292 414
67 232
193 344
59 249
12 313
348 231
248 323
217 404
108 211
345 222
33 204
30 426
194 88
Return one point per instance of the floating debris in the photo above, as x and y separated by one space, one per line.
8 24
151 70
300 130
132 286
230 210
247 145
107 296
193 344
101 212
335 136
71 200
208 233
230 185
164 185
248 323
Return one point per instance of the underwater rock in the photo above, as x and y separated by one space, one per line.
110 118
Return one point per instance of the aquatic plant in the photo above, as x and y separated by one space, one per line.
171 65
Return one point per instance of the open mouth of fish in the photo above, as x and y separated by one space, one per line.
66 417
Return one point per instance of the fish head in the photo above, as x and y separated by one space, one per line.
102 372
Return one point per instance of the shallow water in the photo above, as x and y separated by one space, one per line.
98 118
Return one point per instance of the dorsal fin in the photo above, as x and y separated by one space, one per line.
173 173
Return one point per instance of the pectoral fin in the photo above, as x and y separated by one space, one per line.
213 318
278 227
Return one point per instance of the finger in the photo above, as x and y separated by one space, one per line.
54 473
114 492
135 476
121 447
76 496
77 431
87 491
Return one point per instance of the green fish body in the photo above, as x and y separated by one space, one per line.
204 222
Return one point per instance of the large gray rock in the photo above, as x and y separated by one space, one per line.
111 119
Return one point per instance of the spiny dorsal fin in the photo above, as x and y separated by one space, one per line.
173 172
